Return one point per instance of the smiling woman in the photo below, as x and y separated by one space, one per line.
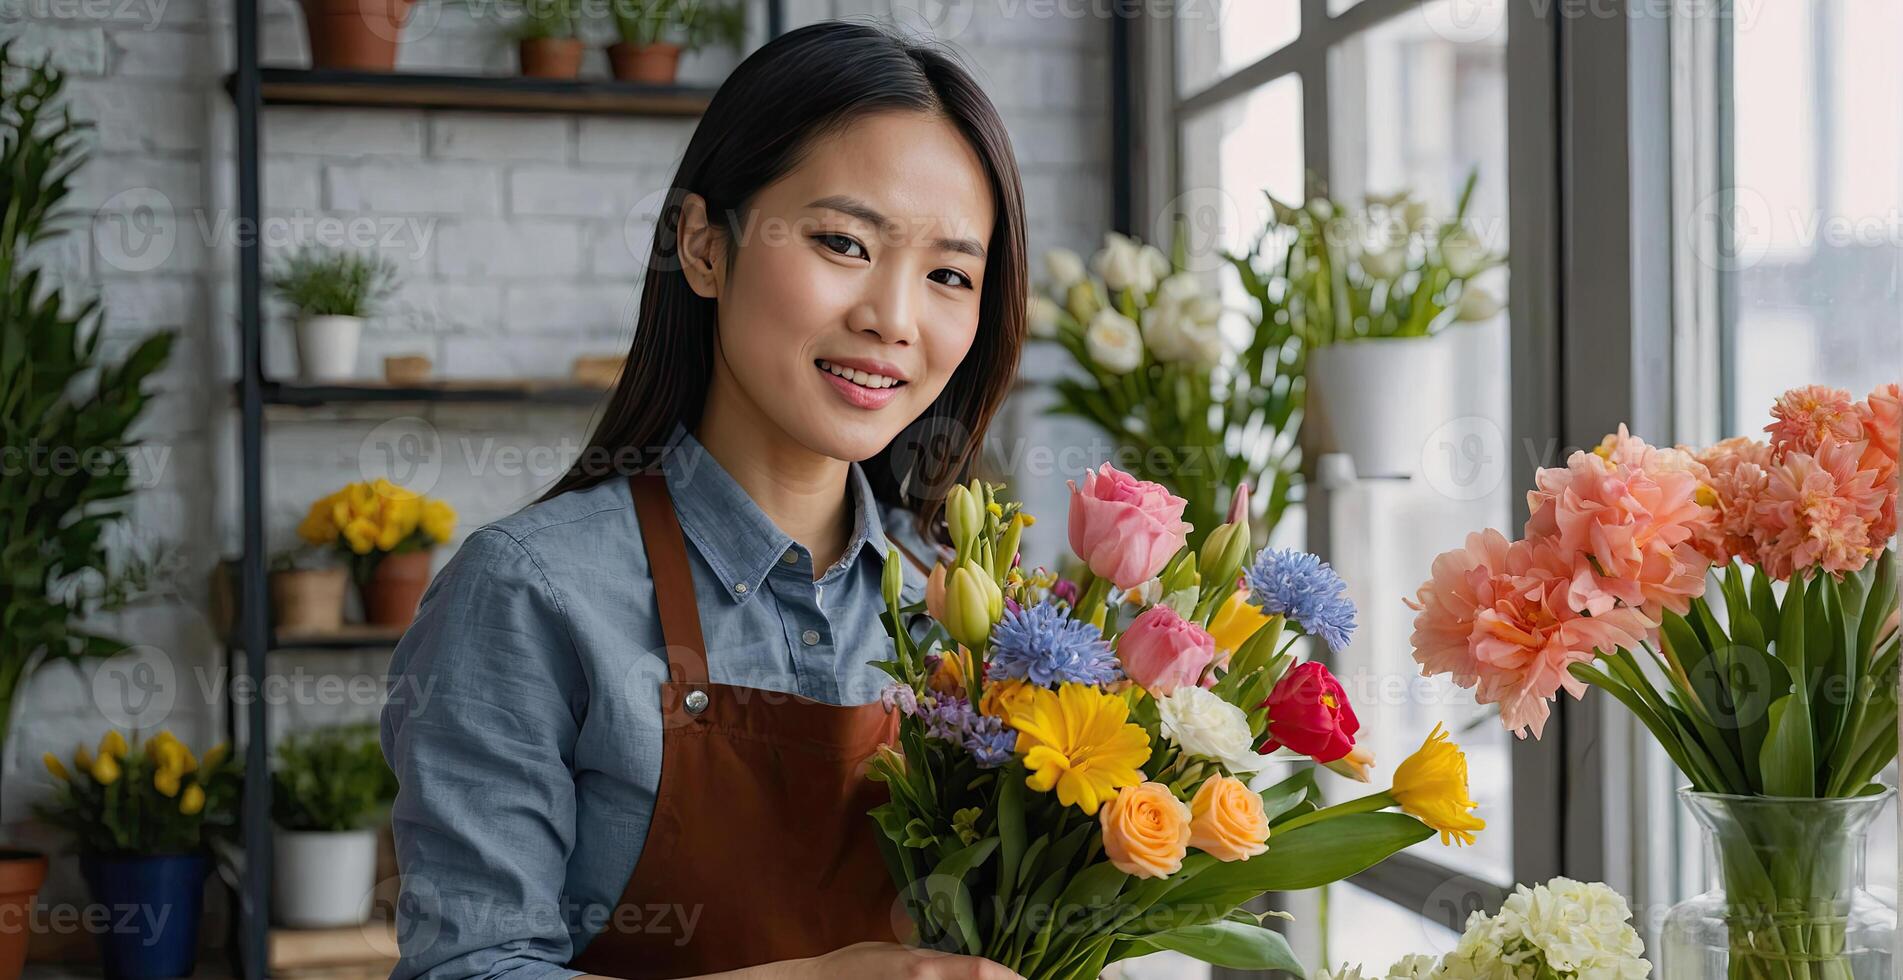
655 686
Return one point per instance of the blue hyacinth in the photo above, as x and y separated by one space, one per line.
1043 645
1305 590
953 719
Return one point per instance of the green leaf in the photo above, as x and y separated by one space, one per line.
1790 762
1230 944
1010 829
1307 857
947 893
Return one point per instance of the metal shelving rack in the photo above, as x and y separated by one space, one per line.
252 87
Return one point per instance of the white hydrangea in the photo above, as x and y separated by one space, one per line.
1414 967
1578 929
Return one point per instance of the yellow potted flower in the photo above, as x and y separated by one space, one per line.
142 816
385 533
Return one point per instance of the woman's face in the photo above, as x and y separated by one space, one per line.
854 293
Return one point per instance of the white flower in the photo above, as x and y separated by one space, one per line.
1322 208
1476 304
1181 324
1113 342
1415 213
1043 317
1204 725
1065 267
1125 263
1385 264
1345 973
1580 929
1414 967
1463 253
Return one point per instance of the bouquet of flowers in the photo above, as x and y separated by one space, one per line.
150 798
1562 930
1780 682
1068 786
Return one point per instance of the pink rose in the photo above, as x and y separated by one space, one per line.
1163 651
1124 528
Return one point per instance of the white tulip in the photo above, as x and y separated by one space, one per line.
1384 264
1322 208
1065 267
1125 263
1414 213
1476 304
1180 325
1204 725
1113 342
1463 253
1043 316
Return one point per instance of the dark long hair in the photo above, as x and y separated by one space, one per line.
795 90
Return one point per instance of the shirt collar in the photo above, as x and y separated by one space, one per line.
740 542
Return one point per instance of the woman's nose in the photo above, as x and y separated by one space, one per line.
890 312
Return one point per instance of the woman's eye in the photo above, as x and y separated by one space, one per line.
841 245
963 281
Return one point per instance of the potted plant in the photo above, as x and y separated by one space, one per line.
142 820
64 401
333 292
385 533
1368 293
330 789
357 35
548 42
307 591
655 33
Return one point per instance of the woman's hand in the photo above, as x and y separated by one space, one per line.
891 961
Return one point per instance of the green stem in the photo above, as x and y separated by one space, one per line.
1366 804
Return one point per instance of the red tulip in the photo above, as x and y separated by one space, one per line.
1309 713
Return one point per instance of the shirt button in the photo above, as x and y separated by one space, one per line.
810 637
740 588
790 557
696 702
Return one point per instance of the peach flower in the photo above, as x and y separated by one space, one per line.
1498 617
1227 821
1882 417
1820 511
1739 470
1807 417
1124 528
1636 516
1146 830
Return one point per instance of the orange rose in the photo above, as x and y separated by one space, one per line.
1146 830
1226 820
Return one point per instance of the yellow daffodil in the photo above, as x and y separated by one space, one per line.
192 801
1078 740
215 755
1236 621
1432 786
56 767
166 781
114 744
105 770
1002 698
170 753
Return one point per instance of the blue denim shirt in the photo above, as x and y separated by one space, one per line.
524 720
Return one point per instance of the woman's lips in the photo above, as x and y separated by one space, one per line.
856 395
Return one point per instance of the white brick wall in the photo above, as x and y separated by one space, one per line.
520 239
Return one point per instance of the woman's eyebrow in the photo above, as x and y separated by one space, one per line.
848 205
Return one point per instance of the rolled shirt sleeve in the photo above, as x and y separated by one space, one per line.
487 694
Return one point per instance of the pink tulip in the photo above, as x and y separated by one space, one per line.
1124 528
1164 652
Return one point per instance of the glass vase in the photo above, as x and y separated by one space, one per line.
1789 901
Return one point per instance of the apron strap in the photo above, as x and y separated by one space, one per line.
673 577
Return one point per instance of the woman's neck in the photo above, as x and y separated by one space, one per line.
802 492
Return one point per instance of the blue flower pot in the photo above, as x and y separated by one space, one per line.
152 905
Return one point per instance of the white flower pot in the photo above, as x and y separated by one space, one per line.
322 879
1379 400
327 347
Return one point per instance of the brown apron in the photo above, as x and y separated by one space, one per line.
760 836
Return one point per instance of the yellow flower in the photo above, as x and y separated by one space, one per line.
114 744
56 767
317 527
953 670
82 758
439 521
1001 698
166 781
105 769
1236 621
170 753
1078 740
193 800
361 534
215 755
389 536
1432 785
363 500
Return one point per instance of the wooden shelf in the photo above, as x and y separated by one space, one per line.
477 93
538 391
348 951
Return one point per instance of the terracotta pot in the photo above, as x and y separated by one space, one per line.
355 34
309 599
396 587
655 64
550 57
21 874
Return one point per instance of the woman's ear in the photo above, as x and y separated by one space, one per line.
700 248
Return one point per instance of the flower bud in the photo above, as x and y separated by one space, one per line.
972 604
894 577
1223 554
